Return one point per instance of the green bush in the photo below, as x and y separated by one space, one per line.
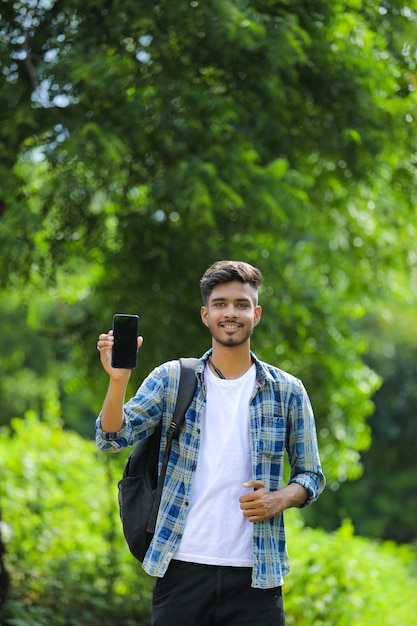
341 580
70 565
65 550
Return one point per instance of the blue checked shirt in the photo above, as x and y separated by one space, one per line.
281 419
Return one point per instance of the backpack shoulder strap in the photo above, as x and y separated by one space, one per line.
186 390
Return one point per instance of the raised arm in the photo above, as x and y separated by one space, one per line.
112 411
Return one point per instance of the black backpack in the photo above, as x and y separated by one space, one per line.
140 489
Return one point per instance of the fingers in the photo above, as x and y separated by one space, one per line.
105 341
254 511
104 346
257 509
253 484
261 504
254 505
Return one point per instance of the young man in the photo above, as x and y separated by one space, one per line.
219 548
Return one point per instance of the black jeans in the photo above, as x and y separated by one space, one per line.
209 595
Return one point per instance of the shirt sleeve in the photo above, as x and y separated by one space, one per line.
113 442
302 446
141 414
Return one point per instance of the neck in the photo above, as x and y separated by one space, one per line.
232 362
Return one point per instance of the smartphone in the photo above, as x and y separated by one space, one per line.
125 347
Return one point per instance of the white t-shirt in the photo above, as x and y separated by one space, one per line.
216 532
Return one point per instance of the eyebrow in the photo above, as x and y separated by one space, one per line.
220 299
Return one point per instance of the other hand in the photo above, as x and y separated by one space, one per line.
260 504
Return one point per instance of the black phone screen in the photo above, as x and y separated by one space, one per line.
125 347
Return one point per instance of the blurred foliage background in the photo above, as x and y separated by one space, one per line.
138 144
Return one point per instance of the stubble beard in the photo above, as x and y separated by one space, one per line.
231 342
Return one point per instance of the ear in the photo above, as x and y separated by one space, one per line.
258 314
204 314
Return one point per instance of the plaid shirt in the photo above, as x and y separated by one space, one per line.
281 419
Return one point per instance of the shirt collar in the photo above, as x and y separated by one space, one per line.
262 372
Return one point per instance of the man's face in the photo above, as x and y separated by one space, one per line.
231 313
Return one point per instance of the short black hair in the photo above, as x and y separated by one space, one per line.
226 272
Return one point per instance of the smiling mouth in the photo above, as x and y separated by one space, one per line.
230 326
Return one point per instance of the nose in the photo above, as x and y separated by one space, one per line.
230 311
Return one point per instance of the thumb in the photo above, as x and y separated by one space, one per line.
253 484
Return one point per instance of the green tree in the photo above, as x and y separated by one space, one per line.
42 363
383 502
391 458
141 142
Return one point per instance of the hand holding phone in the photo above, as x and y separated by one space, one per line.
125 346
